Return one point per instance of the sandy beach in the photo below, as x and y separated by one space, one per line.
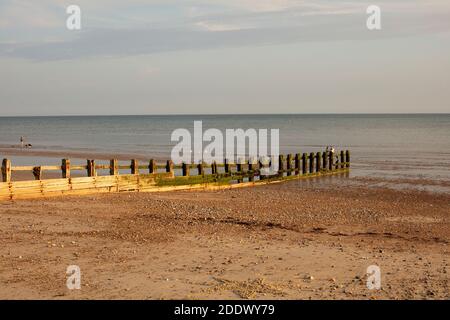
309 239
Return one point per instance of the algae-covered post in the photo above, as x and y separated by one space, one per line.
289 164
347 158
297 163
342 159
318 161
251 172
325 160
280 164
185 169
311 162
304 163
330 160
200 169
169 167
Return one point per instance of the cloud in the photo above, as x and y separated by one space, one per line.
218 24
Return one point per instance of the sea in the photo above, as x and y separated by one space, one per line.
404 148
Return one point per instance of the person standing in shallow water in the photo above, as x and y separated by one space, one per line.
22 141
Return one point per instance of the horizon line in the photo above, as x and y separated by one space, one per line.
225 114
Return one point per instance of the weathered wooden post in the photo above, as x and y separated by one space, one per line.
226 165
185 168
297 161
65 167
325 160
289 164
169 167
91 172
311 162
318 161
37 173
113 167
152 166
347 158
214 167
134 166
201 170
304 163
342 160
239 169
6 170
251 173
331 161
281 164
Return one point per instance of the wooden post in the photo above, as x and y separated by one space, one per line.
152 166
134 166
281 164
214 167
289 164
311 162
297 163
325 160
91 168
201 170
318 161
169 166
342 159
239 169
65 166
226 165
347 158
37 172
331 161
251 173
185 169
6 170
304 163
113 167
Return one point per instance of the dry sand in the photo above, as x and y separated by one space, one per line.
296 240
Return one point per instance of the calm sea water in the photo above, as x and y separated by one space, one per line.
389 146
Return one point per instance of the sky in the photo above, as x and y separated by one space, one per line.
224 56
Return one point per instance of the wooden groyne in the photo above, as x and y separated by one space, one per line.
153 176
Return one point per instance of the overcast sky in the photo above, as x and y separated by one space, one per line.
223 56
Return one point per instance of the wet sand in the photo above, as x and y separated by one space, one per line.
296 240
